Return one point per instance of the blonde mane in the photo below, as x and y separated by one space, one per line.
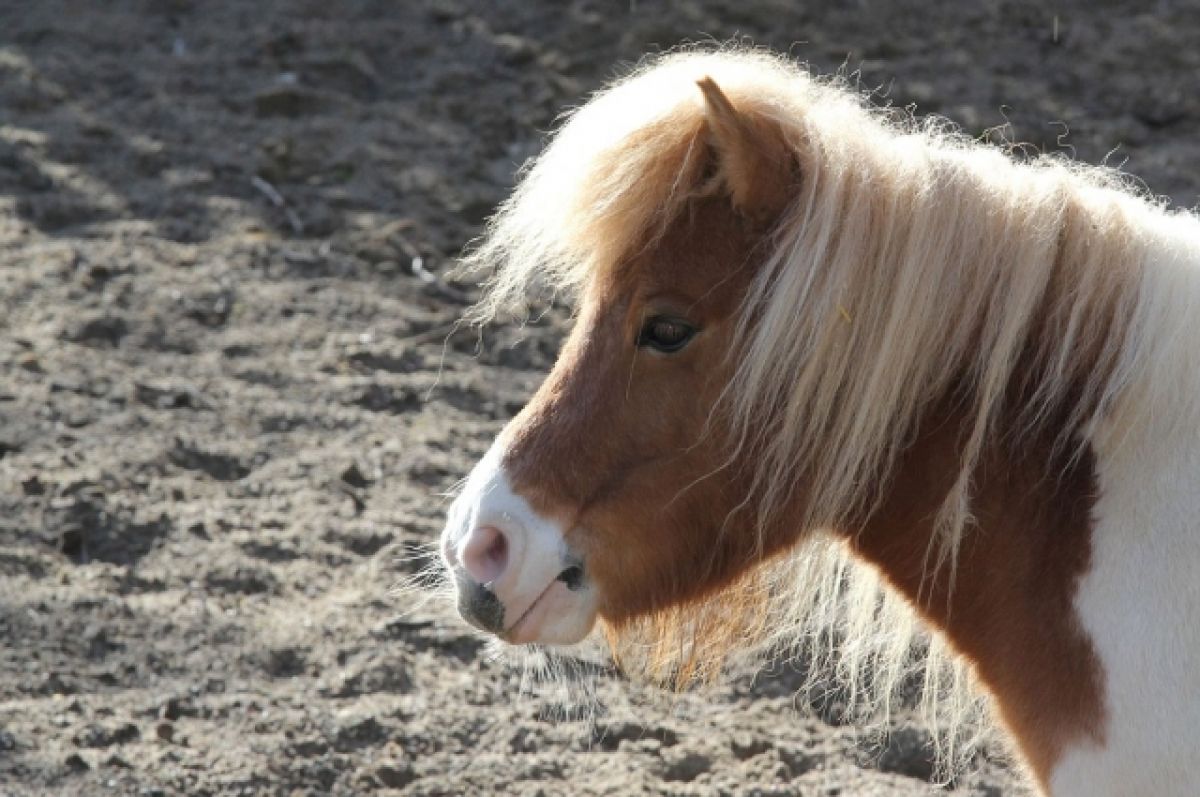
912 261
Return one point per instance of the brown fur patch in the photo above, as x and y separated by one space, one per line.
1010 608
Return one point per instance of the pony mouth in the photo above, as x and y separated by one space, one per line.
525 630
512 634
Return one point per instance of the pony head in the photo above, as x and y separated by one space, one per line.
616 493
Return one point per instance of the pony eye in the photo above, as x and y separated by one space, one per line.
665 334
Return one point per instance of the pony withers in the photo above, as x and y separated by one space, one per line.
832 371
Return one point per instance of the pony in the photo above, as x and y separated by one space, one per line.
837 376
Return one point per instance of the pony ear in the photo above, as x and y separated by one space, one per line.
753 161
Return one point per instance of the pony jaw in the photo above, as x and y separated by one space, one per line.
527 588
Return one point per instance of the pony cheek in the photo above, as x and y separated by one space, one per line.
615 572
633 569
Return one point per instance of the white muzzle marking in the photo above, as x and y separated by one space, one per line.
515 576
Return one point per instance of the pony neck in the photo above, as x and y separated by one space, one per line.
1006 604
1007 601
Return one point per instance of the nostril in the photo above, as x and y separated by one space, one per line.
485 555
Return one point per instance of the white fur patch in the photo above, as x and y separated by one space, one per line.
537 554
1140 602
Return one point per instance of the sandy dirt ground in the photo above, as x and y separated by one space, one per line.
229 404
